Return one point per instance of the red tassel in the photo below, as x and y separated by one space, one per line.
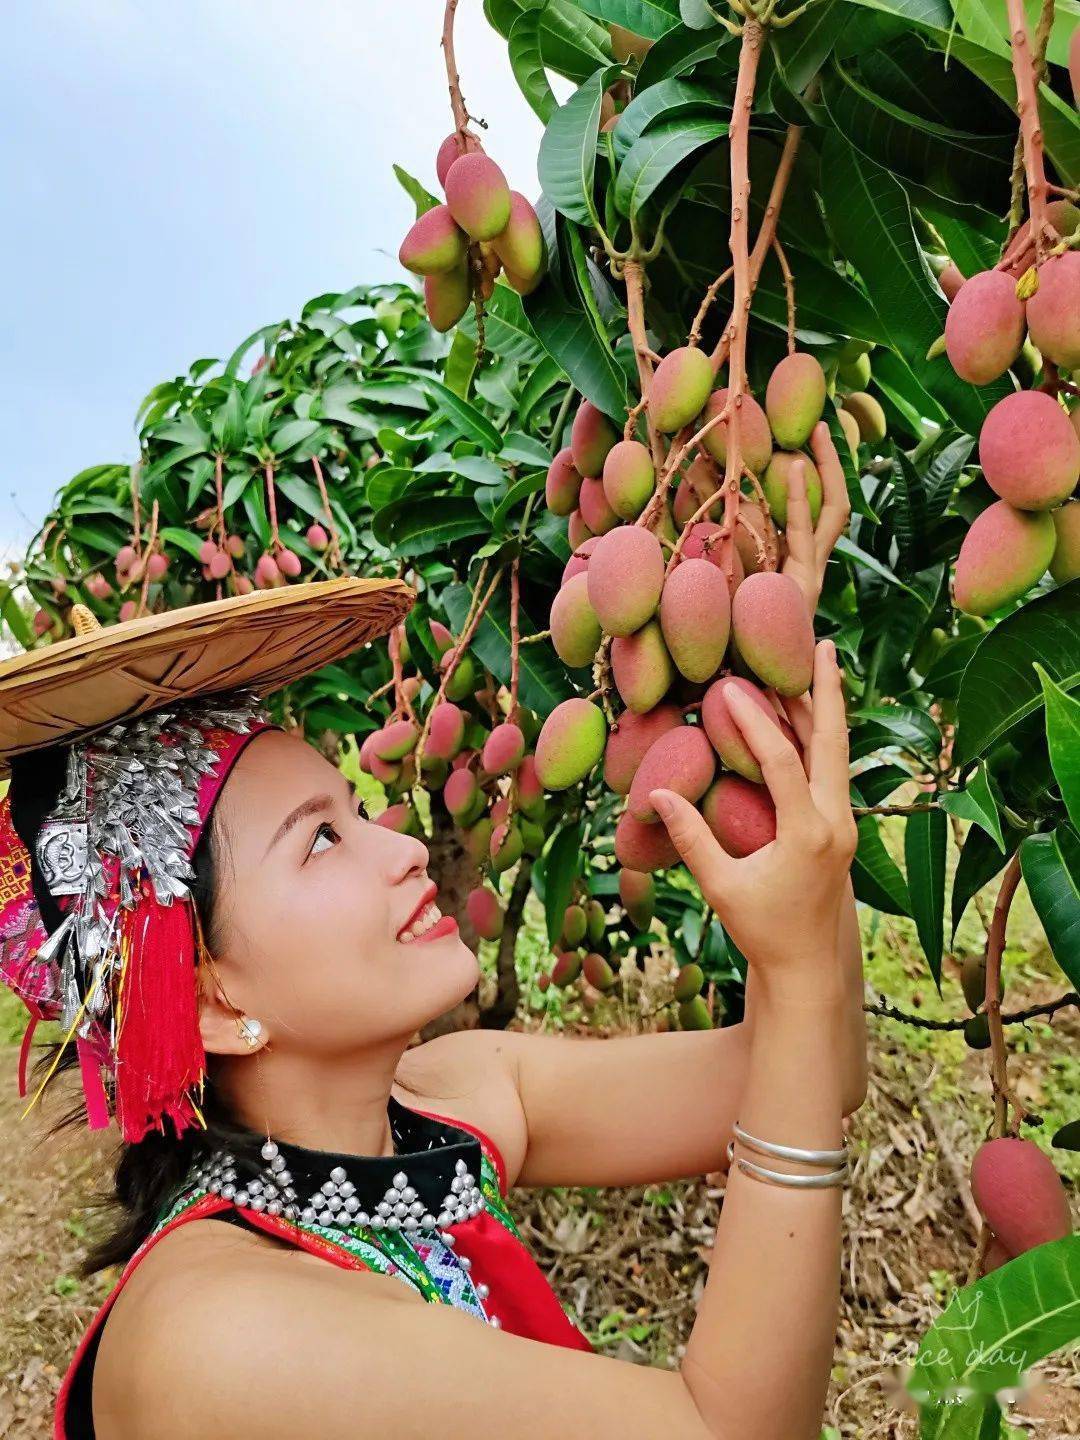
97 1103
159 1054
24 1051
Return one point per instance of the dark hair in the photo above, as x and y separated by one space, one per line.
149 1173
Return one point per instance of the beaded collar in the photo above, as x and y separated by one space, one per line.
431 1182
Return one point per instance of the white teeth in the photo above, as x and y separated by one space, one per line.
428 917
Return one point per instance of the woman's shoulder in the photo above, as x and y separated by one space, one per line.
467 1076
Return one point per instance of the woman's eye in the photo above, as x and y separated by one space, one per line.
325 833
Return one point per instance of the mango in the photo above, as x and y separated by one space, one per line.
625 579
484 912
460 793
594 507
977 1033
441 636
775 485
854 374
573 927
506 846
596 918
524 284
694 1014
631 736
504 749
638 895
478 196
984 328
1019 1194
563 484
868 416
399 818
850 427
1053 312
688 982
1029 452
1063 217
950 280
533 836
726 737
463 682
629 477
579 560
592 435
597 971
1065 565
771 626
453 146
446 734
396 740
575 630
641 667
530 793
628 44
477 839
682 761
695 617
566 969
679 388
755 438
740 814
795 399
973 981
686 502
434 243
570 743
750 543
643 847
1002 555
447 297
577 532
705 479
520 246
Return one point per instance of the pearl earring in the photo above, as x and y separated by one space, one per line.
250 1030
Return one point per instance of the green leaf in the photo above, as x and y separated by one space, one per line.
870 215
186 540
421 198
507 332
874 786
980 860
14 618
569 334
925 839
566 164
286 437
415 530
1000 686
678 52
649 18
1050 865
653 157
527 63
572 43
905 725
993 1332
669 100
460 363
1063 738
945 674
562 863
466 419
543 679
875 875
858 556
801 49
976 803
229 423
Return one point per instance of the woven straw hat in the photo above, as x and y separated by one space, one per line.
260 641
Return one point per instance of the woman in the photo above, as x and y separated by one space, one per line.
247 958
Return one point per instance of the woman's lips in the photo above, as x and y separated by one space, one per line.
427 923
447 925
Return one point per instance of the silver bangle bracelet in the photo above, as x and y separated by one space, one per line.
791 1152
844 1165
795 1182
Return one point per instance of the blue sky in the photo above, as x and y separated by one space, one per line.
176 175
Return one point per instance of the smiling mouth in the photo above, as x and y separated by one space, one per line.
428 923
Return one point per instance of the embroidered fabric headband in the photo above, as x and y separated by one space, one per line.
109 949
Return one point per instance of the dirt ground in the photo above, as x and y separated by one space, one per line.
631 1263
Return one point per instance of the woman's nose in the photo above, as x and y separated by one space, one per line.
405 855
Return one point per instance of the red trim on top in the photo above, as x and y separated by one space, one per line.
482 1136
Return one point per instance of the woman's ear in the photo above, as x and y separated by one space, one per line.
224 1029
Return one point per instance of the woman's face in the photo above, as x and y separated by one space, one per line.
327 930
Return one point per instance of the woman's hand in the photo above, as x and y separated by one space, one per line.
808 549
781 904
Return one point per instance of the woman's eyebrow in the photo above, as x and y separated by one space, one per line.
315 805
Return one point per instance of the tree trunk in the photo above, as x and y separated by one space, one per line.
455 874
508 992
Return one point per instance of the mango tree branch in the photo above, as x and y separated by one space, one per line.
1027 108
